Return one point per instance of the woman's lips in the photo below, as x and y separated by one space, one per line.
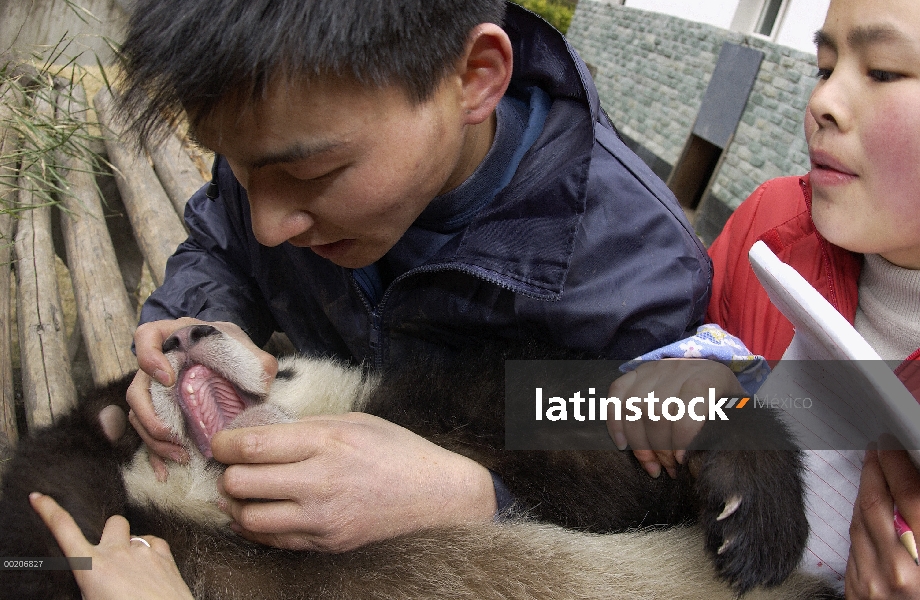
827 170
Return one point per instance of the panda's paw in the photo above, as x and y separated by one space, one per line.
753 515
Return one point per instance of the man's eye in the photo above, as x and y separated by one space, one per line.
884 76
326 177
823 73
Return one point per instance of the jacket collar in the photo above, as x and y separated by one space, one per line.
840 267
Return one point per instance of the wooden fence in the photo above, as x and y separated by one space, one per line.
152 185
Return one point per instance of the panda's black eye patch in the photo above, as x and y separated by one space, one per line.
286 373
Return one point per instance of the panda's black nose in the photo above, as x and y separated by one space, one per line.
196 333
187 337
171 343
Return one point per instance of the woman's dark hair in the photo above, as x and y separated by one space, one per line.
189 55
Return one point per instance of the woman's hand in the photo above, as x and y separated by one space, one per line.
879 566
663 443
122 566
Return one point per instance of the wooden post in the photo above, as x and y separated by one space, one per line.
156 225
103 307
178 174
48 389
8 146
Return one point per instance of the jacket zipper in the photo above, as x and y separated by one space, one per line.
375 336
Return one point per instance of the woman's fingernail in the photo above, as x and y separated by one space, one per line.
652 468
620 440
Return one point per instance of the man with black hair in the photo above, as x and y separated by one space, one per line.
393 178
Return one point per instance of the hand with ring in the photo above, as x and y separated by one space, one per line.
123 566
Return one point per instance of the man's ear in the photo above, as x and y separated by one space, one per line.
485 71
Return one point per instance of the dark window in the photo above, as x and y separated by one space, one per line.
768 15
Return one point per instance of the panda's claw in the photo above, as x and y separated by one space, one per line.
731 505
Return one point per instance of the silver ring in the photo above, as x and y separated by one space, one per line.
141 540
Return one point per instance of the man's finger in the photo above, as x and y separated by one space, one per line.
279 443
138 397
62 526
158 447
274 517
148 346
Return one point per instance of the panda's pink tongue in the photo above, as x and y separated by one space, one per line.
209 402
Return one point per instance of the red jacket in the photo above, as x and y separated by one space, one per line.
779 213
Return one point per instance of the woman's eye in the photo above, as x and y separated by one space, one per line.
823 73
884 76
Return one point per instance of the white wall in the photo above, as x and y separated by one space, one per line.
800 19
803 18
713 12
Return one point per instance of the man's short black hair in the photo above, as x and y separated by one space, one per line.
189 55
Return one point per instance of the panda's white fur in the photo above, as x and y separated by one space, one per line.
307 387
659 564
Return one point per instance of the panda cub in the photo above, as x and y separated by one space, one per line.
580 529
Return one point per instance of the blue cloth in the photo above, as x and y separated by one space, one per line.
712 342
584 247
504 501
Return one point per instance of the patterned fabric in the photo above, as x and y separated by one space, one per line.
714 343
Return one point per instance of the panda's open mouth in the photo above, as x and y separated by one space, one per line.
209 401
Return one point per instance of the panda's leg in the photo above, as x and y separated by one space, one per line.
747 478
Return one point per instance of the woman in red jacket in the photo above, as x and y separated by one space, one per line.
852 228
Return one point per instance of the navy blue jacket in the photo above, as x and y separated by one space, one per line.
585 247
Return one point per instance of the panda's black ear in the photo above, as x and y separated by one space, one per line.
114 421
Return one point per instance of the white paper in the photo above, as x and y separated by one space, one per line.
867 399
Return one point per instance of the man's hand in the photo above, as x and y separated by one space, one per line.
336 483
879 566
121 568
148 344
663 443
